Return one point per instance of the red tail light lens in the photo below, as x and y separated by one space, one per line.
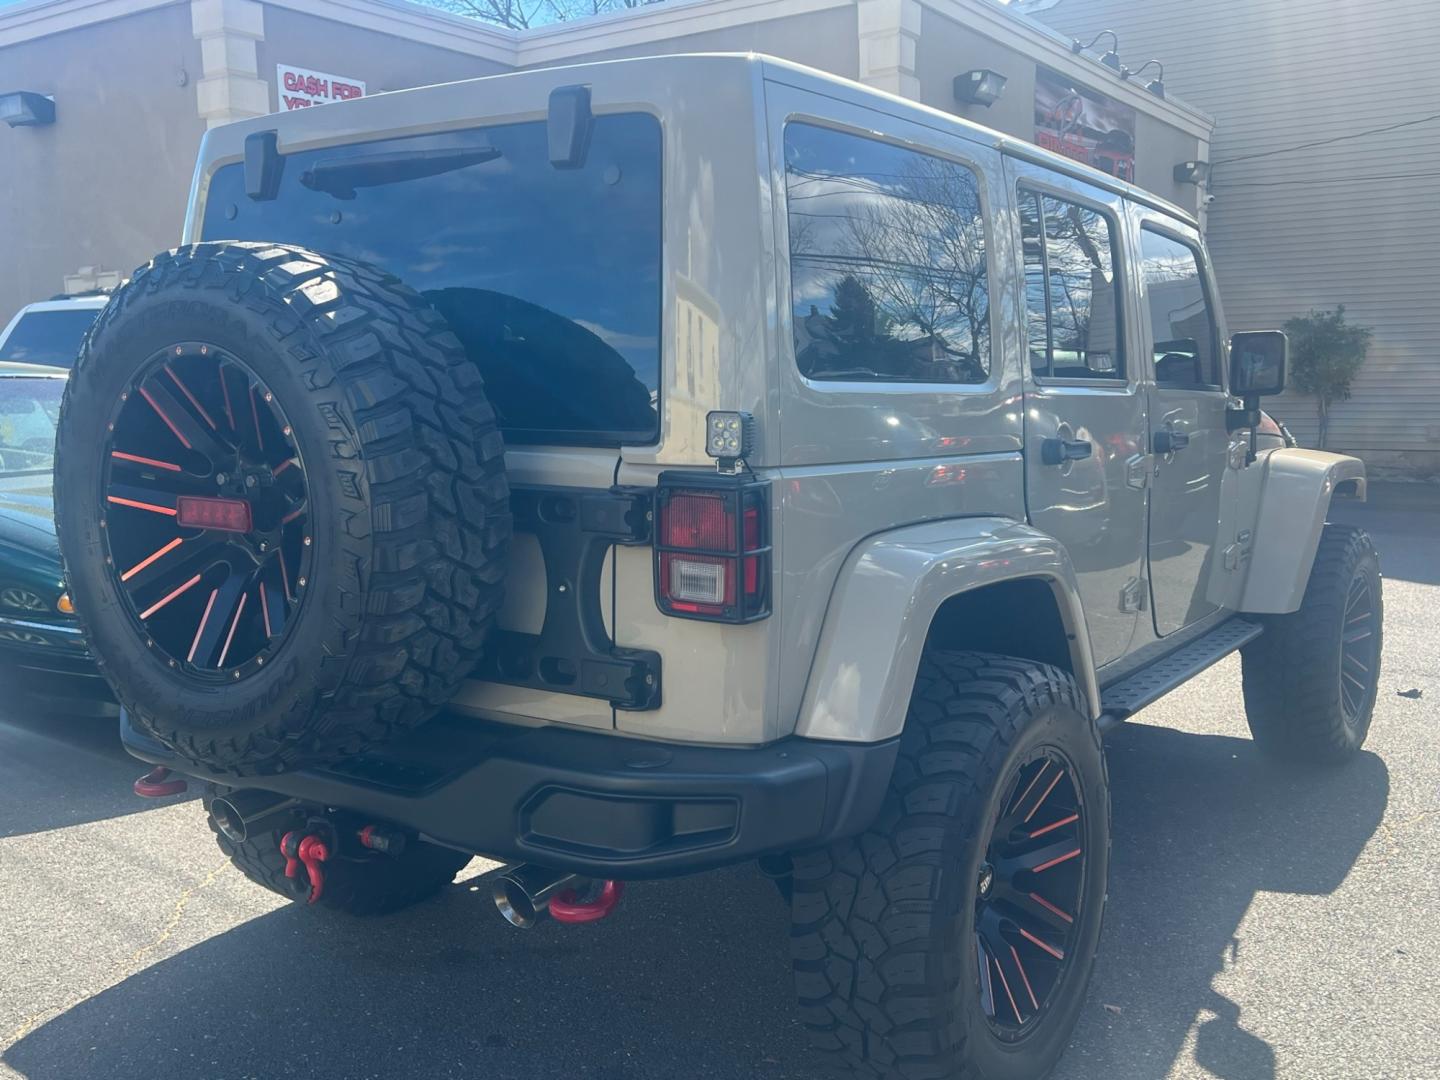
712 555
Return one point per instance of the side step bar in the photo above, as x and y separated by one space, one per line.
1121 700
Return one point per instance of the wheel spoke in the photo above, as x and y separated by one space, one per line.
137 498
142 463
214 630
161 569
272 604
190 432
987 985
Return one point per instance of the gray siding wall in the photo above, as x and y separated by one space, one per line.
105 185
1353 222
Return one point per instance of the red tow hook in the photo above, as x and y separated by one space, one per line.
311 850
156 784
568 908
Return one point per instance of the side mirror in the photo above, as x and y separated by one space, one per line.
1257 363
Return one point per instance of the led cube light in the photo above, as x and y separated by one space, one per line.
729 436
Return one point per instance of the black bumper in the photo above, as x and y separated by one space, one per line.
594 804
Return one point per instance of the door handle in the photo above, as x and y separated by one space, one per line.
1059 451
1167 442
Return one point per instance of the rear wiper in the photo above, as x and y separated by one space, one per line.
341 176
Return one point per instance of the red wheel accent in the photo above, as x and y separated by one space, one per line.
567 908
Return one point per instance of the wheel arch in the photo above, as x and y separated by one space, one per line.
937 583
1296 490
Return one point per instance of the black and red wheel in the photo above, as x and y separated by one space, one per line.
281 501
1029 893
956 936
205 522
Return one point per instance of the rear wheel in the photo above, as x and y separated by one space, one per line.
1311 679
956 936
288 541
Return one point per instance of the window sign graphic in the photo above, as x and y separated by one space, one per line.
1084 125
299 88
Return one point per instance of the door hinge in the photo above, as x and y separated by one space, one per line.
1232 557
1137 471
1133 594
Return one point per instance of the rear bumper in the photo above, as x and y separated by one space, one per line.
594 804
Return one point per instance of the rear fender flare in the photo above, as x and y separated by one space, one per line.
884 602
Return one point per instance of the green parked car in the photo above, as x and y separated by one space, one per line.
42 652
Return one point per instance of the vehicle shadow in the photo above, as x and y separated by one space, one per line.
58 770
1202 823
690 977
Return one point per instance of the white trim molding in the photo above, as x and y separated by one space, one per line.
889 36
230 87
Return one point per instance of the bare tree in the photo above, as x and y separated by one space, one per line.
522 14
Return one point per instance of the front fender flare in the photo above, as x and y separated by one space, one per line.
883 604
1295 494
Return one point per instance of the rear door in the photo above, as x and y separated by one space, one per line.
1085 472
1189 443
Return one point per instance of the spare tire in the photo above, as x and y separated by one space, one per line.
281 503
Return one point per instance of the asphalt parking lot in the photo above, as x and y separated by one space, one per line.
1262 922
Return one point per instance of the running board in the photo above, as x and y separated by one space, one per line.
1121 700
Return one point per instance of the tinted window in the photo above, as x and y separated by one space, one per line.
1182 327
29 408
1071 291
48 337
550 277
887 261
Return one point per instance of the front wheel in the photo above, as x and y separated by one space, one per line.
1310 680
955 937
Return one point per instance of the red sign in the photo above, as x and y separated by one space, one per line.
1083 124
300 88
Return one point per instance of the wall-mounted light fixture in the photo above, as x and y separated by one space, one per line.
1110 59
980 87
1156 85
1192 172
24 108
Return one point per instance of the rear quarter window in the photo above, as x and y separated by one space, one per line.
887 261
550 277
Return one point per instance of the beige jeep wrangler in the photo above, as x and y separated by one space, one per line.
631 469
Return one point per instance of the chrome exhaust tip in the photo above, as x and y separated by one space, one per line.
523 893
248 812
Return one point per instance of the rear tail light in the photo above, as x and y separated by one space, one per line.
712 547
